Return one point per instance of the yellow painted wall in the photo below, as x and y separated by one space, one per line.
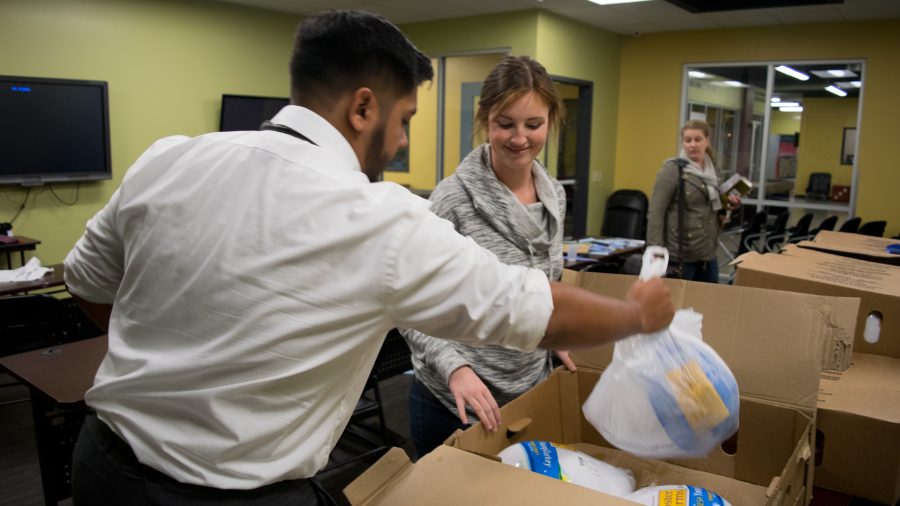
650 92
167 63
787 123
821 135
571 49
461 69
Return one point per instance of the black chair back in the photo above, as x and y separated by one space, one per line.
827 224
819 186
755 226
851 225
800 230
873 228
625 215
776 235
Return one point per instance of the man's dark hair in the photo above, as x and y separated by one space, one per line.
340 51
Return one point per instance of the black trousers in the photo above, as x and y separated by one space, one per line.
106 471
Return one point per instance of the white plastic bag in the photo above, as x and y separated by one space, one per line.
684 495
562 463
666 394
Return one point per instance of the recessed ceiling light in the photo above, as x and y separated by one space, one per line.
797 108
849 84
611 2
785 104
837 91
696 74
830 74
784 69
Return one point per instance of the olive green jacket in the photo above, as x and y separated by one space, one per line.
701 222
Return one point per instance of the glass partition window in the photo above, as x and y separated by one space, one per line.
789 127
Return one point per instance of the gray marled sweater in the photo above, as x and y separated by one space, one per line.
483 208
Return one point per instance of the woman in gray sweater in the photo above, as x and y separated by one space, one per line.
502 198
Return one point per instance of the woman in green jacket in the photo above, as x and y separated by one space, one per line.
703 210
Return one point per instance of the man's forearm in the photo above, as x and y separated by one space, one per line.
97 313
582 319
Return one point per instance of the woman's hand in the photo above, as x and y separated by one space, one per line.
734 202
565 359
468 389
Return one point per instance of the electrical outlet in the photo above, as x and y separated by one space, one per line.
596 176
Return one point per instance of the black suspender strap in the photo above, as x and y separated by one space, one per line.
268 125
681 163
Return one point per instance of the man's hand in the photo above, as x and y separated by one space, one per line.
565 359
468 389
653 302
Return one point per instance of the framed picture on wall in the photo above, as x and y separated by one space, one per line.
848 146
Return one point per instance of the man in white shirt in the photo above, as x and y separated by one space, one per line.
247 280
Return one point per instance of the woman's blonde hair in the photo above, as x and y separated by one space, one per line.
513 77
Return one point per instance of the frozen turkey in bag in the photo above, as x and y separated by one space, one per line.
666 394
563 463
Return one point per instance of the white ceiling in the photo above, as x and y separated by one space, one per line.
628 19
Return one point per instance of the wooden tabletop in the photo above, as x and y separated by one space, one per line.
61 373
51 279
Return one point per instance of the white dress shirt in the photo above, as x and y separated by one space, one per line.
253 277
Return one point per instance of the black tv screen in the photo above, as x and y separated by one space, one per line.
53 130
245 112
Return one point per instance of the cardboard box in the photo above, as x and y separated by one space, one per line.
858 436
771 340
862 247
804 270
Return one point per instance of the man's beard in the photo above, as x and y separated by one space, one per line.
376 158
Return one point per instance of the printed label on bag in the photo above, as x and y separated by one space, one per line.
672 498
543 458
696 396
689 496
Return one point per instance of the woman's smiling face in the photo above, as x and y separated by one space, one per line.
518 133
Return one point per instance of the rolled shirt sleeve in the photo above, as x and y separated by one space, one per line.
95 266
445 285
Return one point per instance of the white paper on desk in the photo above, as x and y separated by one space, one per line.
31 271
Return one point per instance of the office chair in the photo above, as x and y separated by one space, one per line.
819 186
826 224
851 225
751 233
800 230
393 359
873 228
625 215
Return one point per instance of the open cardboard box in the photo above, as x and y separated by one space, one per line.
862 247
804 270
858 422
773 342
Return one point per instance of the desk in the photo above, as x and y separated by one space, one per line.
57 378
24 244
51 279
584 261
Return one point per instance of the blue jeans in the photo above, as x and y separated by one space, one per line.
106 471
430 422
707 272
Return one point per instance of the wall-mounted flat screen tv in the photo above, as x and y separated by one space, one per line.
246 112
53 130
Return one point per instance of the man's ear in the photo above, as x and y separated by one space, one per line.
363 109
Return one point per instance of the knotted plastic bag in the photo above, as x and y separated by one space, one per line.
666 394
